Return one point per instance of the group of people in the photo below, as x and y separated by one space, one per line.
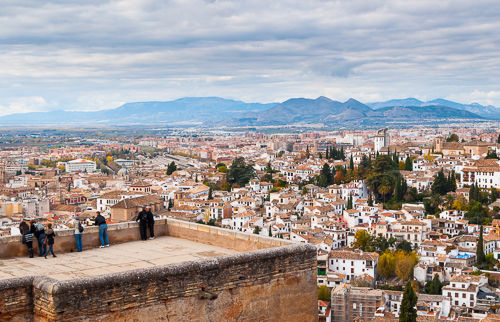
146 221
45 237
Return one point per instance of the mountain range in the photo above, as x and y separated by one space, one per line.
216 111
487 111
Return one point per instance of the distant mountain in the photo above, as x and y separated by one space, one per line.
487 111
422 112
304 110
324 110
190 110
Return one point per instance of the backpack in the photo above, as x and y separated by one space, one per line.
39 227
80 227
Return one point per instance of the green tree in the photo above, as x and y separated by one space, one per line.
270 232
492 155
172 167
325 177
407 311
383 177
239 172
351 163
440 184
493 195
210 197
452 138
404 246
480 257
477 214
256 230
434 286
370 200
363 240
349 202
269 168
408 164
498 140
324 294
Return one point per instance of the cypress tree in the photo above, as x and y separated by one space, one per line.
407 312
397 190
395 158
210 197
408 164
480 257
342 155
498 140
351 163
370 200
349 202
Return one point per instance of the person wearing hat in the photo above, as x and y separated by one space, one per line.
142 219
151 222
78 233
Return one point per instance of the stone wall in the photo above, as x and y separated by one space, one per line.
270 280
128 231
16 299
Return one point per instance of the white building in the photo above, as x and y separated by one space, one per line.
81 165
463 289
381 139
353 264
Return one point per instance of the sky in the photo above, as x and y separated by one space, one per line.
98 54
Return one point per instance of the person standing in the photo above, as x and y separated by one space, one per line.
39 232
78 233
103 230
142 219
49 240
27 237
151 222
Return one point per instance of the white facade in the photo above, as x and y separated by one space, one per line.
81 165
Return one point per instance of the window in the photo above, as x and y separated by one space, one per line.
463 295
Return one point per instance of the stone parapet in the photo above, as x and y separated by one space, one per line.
269 280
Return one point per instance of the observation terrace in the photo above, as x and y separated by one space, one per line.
189 272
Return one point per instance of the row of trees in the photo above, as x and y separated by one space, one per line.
370 243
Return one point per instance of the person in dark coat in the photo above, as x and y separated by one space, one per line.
142 219
103 229
27 237
49 240
151 222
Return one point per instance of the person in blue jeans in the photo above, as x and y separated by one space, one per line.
78 233
39 231
49 240
103 230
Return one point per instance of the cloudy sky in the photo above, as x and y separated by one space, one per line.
88 55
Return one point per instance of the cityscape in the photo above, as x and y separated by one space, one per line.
250 161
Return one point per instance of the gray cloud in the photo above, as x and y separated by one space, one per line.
98 54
